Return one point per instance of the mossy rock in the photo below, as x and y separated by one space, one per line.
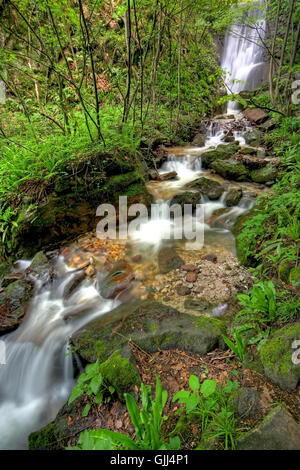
47 438
233 197
294 275
120 373
278 431
152 326
276 357
253 137
207 158
230 149
230 169
208 187
248 151
264 175
40 264
188 197
120 182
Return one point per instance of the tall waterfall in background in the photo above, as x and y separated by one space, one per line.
242 57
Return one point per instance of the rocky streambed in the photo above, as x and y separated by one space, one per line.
120 302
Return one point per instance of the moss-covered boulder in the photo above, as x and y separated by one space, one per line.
152 326
120 373
199 140
276 357
264 175
233 197
188 197
208 187
230 169
40 264
207 158
253 137
284 270
230 149
278 431
248 151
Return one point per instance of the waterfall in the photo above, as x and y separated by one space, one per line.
243 55
38 375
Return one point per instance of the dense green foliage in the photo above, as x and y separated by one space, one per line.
147 422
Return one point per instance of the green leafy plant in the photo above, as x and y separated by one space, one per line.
147 422
239 346
212 404
91 384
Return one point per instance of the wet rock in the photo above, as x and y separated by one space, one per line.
233 197
248 151
183 290
167 176
263 175
191 277
278 431
199 140
168 260
253 138
152 326
118 280
276 357
190 267
153 174
228 138
230 169
13 303
208 187
255 115
188 197
209 157
230 149
40 264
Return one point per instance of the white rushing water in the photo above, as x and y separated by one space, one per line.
38 375
242 57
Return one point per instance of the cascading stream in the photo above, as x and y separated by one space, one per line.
38 376
243 55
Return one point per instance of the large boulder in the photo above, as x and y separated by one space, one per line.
230 149
199 140
276 357
208 187
13 303
253 138
188 197
207 158
230 169
150 325
264 175
255 115
278 431
233 197
168 260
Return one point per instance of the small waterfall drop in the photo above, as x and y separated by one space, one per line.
243 55
37 377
